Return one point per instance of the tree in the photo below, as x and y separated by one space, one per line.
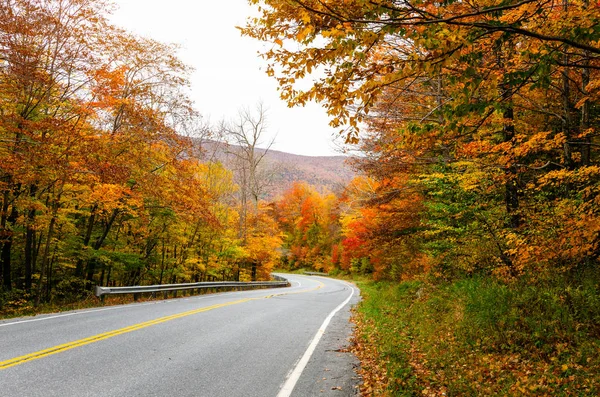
487 103
244 136
46 53
96 171
310 223
363 47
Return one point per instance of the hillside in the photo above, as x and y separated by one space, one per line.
323 172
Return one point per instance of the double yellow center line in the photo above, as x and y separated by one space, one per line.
86 341
105 335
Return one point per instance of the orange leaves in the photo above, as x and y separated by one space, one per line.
376 46
539 143
560 235
474 149
309 220
93 124
108 86
110 196
581 176
374 226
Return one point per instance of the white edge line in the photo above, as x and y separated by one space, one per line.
62 315
292 379
121 306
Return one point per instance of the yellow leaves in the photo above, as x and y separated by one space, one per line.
539 142
472 181
304 33
305 17
582 101
564 176
339 31
110 196
523 12
195 264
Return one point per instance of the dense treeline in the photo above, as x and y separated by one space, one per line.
479 201
480 126
100 174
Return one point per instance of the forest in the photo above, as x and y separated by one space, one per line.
477 206
472 226
103 177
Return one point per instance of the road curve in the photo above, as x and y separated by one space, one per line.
250 343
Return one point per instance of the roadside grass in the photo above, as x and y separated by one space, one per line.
479 337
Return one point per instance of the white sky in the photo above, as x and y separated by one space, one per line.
228 73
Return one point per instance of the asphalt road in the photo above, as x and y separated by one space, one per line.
250 343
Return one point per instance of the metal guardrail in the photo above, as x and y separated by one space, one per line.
102 291
316 274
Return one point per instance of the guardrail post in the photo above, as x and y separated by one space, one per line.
136 296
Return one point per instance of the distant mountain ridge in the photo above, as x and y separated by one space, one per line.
325 173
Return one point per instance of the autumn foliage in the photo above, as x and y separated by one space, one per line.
102 177
310 223
477 125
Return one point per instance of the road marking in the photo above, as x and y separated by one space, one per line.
293 377
321 285
123 306
72 314
96 338
109 334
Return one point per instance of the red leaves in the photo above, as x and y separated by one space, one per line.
309 219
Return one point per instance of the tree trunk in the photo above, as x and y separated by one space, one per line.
109 224
253 271
91 268
30 241
4 230
49 274
567 124
162 263
45 258
586 147
29 251
108 276
5 254
86 238
102 274
566 93
511 187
